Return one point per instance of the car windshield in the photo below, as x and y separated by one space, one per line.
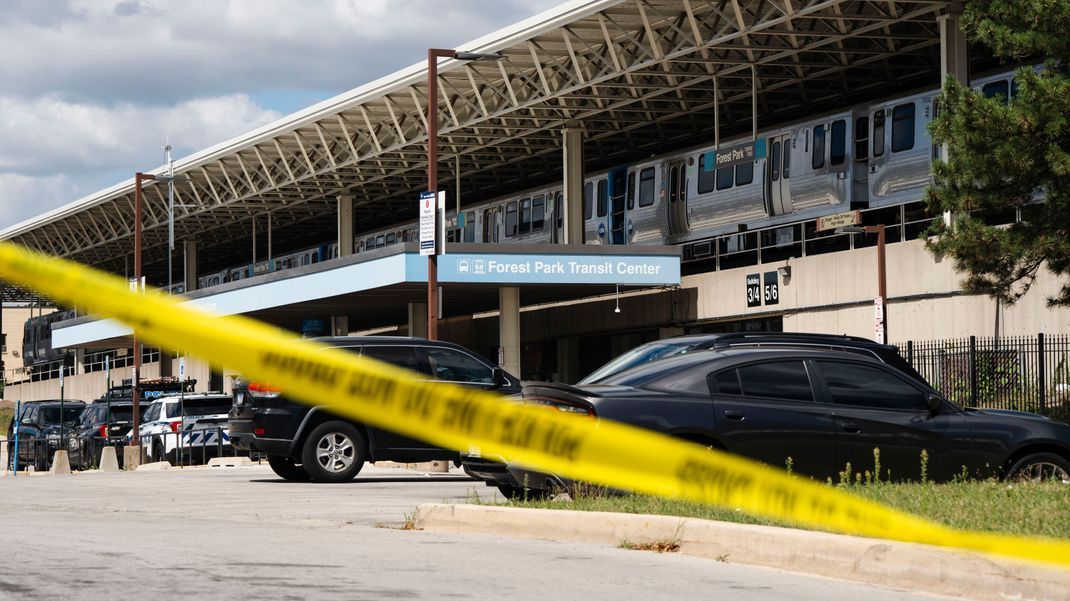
655 370
644 353
122 413
50 415
210 406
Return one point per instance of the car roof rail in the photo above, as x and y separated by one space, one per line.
758 337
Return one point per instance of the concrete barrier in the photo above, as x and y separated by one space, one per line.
131 457
109 460
230 462
153 467
61 464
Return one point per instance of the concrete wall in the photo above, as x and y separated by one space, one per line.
91 386
834 293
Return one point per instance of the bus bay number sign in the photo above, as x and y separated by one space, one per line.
763 287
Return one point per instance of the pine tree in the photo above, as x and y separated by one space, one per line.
1005 156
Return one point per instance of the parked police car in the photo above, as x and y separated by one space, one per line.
186 427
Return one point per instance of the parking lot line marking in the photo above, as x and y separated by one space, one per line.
598 451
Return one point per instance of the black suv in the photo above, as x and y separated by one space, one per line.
311 443
41 430
103 423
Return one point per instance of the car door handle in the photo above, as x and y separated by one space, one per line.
736 415
851 427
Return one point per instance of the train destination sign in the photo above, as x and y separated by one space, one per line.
734 155
831 222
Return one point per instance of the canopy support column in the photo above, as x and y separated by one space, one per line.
509 329
572 143
345 226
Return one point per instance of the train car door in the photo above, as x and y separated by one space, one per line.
676 193
878 156
618 213
777 174
557 234
490 225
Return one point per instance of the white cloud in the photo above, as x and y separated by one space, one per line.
92 88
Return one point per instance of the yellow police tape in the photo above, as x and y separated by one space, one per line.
598 451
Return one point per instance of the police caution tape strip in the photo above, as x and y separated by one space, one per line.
598 451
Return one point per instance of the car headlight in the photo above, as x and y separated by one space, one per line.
52 438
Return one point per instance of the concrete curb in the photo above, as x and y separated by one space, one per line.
872 561
230 462
153 467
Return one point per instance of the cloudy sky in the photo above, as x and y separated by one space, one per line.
91 89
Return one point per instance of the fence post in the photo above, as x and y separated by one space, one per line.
973 371
1041 376
910 352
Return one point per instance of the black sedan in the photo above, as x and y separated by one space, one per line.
820 412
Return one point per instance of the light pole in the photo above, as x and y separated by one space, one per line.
882 277
433 54
139 177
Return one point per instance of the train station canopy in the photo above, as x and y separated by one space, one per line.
636 75
373 289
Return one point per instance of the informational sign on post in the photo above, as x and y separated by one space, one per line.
182 368
427 223
878 319
771 290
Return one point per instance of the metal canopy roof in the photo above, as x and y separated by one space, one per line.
635 74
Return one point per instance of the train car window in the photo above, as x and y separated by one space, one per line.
559 209
603 197
391 238
838 143
774 162
631 190
725 178
646 187
588 191
744 173
674 183
510 219
525 216
903 127
707 176
538 213
817 161
369 244
470 227
862 139
787 158
380 241
997 89
878 133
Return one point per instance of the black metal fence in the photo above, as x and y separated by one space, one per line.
1023 373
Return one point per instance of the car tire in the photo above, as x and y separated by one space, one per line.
40 460
287 469
333 452
1040 466
157 453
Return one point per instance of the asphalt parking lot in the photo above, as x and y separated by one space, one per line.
242 533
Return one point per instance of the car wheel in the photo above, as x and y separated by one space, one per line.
40 461
1040 466
285 468
333 452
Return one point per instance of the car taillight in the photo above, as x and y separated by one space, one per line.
104 431
562 406
262 390
258 431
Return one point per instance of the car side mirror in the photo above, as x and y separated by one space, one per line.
497 377
935 403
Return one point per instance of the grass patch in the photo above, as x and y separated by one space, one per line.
668 546
7 410
1015 508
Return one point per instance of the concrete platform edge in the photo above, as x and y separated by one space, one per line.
872 561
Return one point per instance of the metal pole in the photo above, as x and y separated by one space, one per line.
882 280
18 426
135 388
170 214
433 55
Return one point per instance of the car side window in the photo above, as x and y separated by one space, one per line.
869 386
408 357
453 366
783 380
725 382
172 410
